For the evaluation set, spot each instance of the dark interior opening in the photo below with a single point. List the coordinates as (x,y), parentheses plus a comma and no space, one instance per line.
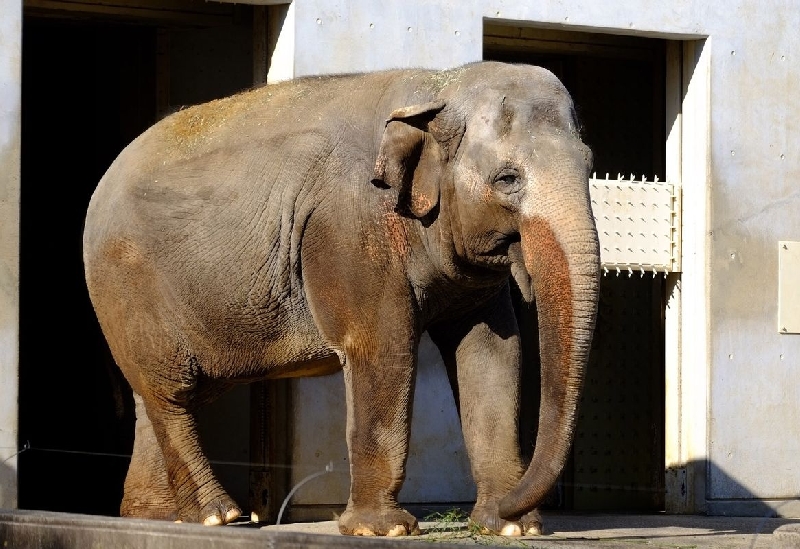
(87,91)
(618,85)
(89,87)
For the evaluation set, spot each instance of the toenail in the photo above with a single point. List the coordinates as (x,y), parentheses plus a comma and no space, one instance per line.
(213,520)
(398,530)
(511,530)
(535,530)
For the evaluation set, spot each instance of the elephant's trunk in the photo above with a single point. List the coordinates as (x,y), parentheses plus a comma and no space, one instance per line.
(560,252)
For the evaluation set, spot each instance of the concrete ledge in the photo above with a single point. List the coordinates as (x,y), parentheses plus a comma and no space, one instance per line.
(787,536)
(565,530)
(40,529)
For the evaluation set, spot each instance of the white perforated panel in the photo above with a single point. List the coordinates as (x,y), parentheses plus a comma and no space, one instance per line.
(638,224)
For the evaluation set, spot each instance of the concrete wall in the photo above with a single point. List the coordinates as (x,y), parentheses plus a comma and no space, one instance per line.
(739,382)
(10,82)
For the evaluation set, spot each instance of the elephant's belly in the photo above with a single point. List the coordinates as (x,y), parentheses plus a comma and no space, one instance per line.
(312,368)
(286,347)
(276,366)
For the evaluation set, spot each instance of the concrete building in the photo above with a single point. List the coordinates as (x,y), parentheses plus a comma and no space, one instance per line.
(693,392)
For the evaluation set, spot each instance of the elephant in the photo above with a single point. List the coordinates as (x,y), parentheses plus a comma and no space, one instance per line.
(324,224)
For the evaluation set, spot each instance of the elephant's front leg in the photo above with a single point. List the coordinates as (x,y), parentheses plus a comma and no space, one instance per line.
(482,354)
(378,380)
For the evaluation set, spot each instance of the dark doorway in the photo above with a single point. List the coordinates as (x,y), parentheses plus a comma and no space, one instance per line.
(87,91)
(90,85)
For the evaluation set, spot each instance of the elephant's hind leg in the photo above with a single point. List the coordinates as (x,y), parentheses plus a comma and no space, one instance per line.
(147,491)
(198,494)
(146,334)
(167,451)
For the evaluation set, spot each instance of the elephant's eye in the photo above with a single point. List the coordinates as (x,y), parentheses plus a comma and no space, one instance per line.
(507,180)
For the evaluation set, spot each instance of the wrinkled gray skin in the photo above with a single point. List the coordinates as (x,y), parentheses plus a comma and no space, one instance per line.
(324,224)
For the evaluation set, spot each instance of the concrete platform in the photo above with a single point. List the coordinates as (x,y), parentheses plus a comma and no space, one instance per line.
(38,529)
(612,531)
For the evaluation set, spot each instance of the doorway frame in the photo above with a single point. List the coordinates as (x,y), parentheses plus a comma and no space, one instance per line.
(687,346)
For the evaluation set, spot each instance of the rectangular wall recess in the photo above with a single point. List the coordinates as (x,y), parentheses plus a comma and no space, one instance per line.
(789,287)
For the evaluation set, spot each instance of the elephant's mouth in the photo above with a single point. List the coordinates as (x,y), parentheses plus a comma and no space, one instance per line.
(499,251)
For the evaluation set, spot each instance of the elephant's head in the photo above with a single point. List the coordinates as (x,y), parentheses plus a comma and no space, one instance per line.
(496,162)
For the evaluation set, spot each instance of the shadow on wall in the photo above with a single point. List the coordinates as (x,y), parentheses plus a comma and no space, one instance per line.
(741,500)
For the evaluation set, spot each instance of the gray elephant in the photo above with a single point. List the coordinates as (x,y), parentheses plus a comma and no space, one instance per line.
(325,223)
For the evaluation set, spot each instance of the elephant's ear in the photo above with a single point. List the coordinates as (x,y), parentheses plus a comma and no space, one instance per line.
(412,155)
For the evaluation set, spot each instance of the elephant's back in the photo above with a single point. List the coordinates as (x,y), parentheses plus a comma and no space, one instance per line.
(206,210)
(271,114)
(197,161)
(217,195)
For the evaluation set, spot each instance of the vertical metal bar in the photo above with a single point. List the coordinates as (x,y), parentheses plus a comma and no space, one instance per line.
(675,476)
(659,102)
(162,72)
(260,45)
(675,485)
(657,380)
(270,447)
(259,453)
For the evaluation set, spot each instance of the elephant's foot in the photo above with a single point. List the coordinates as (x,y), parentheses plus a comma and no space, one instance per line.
(487,518)
(147,502)
(220,510)
(380,522)
(532,523)
(133,509)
